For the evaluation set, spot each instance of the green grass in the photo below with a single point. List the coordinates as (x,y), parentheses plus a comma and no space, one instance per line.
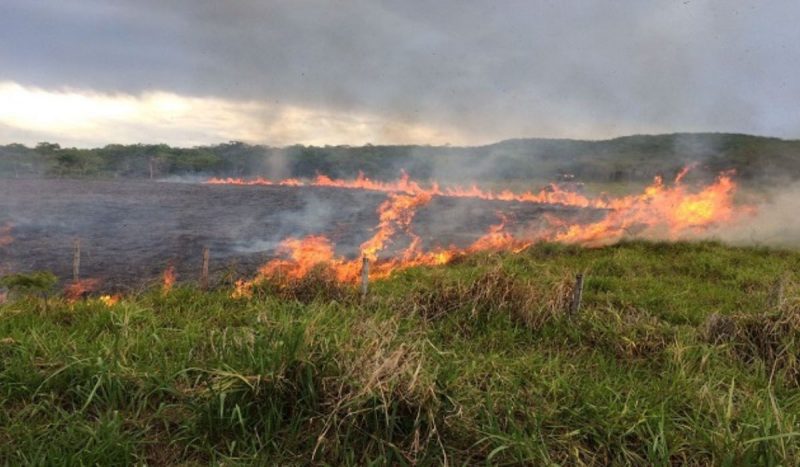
(473,363)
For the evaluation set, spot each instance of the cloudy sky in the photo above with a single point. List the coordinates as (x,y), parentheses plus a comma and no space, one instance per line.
(187,72)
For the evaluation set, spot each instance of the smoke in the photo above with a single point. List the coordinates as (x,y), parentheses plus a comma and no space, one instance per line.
(277,164)
(773,223)
(333,213)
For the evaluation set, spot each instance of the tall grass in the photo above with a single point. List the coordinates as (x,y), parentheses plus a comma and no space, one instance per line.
(679,355)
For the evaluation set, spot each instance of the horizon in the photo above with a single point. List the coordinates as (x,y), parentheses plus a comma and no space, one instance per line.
(283,73)
(444,146)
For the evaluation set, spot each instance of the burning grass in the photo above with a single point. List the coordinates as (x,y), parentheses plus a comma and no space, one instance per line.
(318,283)
(471,363)
(661,211)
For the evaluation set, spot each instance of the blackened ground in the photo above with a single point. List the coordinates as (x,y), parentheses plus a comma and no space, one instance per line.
(130,231)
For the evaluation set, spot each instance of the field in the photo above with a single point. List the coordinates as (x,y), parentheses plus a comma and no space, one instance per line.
(130,231)
(682,353)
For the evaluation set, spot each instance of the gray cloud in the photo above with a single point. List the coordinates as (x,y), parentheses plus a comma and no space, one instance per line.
(492,69)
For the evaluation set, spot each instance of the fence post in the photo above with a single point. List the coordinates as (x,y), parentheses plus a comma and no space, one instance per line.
(577,295)
(76,260)
(204,273)
(364,276)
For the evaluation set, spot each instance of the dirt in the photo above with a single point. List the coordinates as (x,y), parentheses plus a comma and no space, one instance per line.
(130,231)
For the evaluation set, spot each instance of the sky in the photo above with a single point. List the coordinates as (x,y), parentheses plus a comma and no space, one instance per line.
(191,72)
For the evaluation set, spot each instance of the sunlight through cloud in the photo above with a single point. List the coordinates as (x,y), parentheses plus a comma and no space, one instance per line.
(85,118)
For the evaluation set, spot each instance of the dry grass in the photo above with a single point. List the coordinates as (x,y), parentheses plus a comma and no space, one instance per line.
(629,333)
(530,302)
(771,337)
(384,390)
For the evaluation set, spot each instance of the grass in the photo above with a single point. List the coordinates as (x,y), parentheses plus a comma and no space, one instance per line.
(680,354)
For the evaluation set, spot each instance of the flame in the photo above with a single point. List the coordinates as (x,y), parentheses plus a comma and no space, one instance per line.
(659,212)
(242,289)
(78,289)
(168,279)
(395,213)
(552,194)
(684,172)
(498,239)
(109,300)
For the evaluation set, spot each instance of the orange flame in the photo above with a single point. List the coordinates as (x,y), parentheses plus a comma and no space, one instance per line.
(76,290)
(669,212)
(498,239)
(395,213)
(552,194)
(168,279)
(659,213)
(109,300)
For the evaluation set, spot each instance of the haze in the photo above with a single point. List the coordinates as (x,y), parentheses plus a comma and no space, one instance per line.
(92,72)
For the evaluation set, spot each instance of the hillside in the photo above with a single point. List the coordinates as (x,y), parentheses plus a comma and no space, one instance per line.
(681,354)
(625,159)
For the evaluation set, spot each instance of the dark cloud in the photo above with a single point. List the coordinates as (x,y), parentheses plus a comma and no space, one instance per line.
(495,69)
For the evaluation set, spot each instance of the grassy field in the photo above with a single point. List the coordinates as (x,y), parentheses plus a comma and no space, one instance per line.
(681,353)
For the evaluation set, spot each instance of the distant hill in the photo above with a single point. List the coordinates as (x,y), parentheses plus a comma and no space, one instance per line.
(624,159)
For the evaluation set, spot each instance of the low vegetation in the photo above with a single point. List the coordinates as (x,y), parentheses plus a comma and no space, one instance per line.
(682,353)
(521,163)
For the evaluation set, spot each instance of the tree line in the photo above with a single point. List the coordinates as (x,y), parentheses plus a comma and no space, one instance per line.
(625,159)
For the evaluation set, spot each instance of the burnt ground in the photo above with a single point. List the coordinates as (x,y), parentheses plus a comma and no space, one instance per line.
(131,230)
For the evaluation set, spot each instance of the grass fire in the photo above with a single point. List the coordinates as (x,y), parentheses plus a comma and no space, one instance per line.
(389,317)
(660,212)
(399,234)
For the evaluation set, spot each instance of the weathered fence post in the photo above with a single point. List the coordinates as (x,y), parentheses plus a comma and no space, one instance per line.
(364,276)
(204,273)
(76,260)
(577,295)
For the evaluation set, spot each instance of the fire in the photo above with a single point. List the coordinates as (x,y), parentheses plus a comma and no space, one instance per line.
(109,300)
(660,211)
(395,213)
(78,289)
(552,194)
(168,279)
(684,172)
(303,255)
(242,289)
(498,239)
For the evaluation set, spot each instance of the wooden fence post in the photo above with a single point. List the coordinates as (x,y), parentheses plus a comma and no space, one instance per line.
(76,260)
(577,295)
(364,276)
(204,273)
